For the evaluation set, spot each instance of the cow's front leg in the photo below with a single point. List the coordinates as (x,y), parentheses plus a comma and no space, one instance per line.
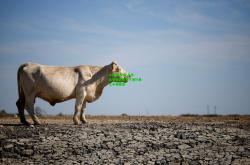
(80,95)
(82,116)
(75,118)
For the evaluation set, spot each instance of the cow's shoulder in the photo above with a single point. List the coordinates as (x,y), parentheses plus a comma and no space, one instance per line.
(95,69)
(84,72)
(88,69)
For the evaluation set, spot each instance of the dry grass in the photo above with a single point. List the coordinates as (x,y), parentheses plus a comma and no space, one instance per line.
(115,119)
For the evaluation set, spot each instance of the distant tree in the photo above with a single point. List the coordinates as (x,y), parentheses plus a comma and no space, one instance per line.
(190,115)
(124,114)
(4,113)
(39,111)
(60,114)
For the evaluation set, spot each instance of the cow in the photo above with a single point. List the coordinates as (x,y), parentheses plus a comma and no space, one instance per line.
(56,84)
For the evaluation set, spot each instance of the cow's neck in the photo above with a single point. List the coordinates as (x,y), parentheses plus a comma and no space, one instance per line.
(101,79)
(102,82)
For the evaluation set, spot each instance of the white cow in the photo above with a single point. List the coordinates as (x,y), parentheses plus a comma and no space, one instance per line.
(56,84)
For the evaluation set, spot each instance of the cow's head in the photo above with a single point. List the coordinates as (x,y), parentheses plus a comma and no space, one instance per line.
(118,72)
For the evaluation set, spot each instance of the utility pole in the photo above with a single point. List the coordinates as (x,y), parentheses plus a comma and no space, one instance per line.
(215,109)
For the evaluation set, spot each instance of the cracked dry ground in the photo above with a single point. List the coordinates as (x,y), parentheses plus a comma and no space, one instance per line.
(126,143)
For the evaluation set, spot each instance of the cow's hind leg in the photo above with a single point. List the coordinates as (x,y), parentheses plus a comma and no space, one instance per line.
(82,116)
(29,106)
(20,106)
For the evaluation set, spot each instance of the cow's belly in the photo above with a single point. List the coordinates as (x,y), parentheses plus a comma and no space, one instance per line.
(56,90)
(56,94)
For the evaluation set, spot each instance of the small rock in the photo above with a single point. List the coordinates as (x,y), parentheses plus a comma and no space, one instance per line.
(27,152)
(241,149)
(109,145)
(8,146)
(183,146)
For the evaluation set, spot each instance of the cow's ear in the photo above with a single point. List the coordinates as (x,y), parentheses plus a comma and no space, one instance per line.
(114,62)
(114,66)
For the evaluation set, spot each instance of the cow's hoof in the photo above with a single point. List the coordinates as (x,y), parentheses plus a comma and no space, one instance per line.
(37,123)
(26,123)
(76,123)
(84,122)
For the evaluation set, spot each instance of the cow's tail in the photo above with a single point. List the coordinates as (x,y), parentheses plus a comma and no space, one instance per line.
(20,90)
(21,100)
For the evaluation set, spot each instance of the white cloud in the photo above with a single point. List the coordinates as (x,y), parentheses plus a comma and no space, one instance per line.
(141,48)
(173,45)
(194,15)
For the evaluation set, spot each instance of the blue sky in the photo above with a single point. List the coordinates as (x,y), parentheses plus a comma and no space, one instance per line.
(190,54)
